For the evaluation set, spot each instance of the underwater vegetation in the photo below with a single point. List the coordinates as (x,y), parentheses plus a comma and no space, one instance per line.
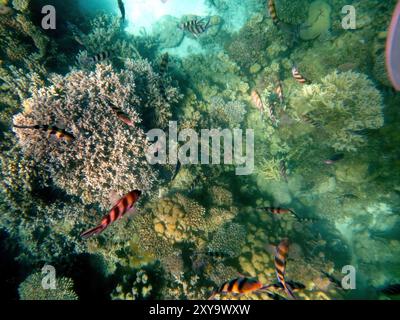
(75,107)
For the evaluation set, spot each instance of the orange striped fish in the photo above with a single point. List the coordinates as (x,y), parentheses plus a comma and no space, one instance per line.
(281,253)
(242,285)
(120,114)
(272,12)
(257,102)
(298,77)
(52,130)
(118,211)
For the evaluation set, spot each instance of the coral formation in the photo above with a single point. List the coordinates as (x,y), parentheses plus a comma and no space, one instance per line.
(318,21)
(31,289)
(90,165)
(343,104)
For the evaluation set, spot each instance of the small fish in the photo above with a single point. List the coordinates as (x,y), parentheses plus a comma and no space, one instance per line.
(272,12)
(177,168)
(332,279)
(335,158)
(242,285)
(279,92)
(281,254)
(164,63)
(121,115)
(295,286)
(298,77)
(122,9)
(391,290)
(311,121)
(124,205)
(277,210)
(195,27)
(283,170)
(96,58)
(271,113)
(257,102)
(52,130)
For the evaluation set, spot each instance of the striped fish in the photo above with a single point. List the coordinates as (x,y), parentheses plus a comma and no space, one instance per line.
(104,55)
(272,12)
(121,115)
(391,290)
(271,113)
(281,253)
(240,285)
(278,210)
(298,77)
(52,131)
(295,286)
(195,27)
(257,102)
(164,63)
(122,9)
(124,205)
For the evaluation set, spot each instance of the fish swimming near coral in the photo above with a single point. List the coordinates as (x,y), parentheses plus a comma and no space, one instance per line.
(278,210)
(239,286)
(279,92)
(335,158)
(76,33)
(164,63)
(121,115)
(332,279)
(177,169)
(122,9)
(195,26)
(272,12)
(281,253)
(52,131)
(257,102)
(294,285)
(298,76)
(104,55)
(391,290)
(124,205)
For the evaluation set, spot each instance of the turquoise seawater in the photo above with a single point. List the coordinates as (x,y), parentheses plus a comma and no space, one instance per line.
(168,149)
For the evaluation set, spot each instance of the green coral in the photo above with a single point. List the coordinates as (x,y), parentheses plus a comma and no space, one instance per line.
(293,12)
(343,104)
(32,289)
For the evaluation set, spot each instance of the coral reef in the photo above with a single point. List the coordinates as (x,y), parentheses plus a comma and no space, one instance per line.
(90,166)
(318,21)
(31,289)
(344,104)
(230,114)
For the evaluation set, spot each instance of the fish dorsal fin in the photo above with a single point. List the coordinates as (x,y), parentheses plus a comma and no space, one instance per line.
(114,197)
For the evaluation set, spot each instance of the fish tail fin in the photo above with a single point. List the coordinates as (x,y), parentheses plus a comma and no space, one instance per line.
(212,296)
(93,231)
(289,291)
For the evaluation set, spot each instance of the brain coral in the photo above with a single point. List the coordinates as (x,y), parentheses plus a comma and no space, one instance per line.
(106,154)
(343,104)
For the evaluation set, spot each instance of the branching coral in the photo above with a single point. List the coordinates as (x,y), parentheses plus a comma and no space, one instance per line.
(32,289)
(231,113)
(344,104)
(91,166)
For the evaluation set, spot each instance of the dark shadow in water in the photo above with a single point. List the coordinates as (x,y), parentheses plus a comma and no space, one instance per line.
(9,270)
